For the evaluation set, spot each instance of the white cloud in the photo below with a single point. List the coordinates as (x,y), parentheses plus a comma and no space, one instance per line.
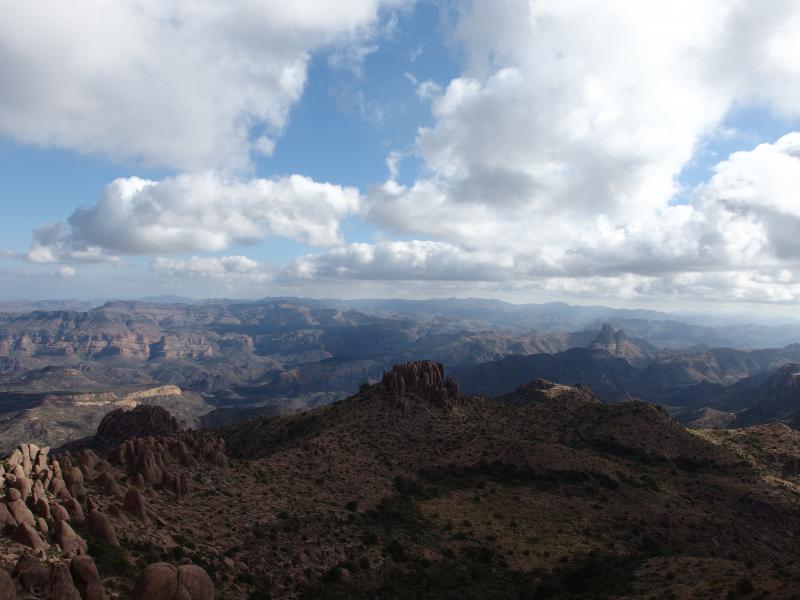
(568,111)
(191,213)
(428,89)
(735,240)
(413,260)
(560,145)
(179,83)
(65,272)
(229,270)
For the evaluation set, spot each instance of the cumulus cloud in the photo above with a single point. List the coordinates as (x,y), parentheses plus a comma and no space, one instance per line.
(561,143)
(191,213)
(573,110)
(181,83)
(65,272)
(411,260)
(229,270)
(735,239)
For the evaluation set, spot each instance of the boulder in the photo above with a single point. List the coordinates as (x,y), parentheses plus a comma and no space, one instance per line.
(71,543)
(8,591)
(20,512)
(101,528)
(194,584)
(108,485)
(15,458)
(28,536)
(134,503)
(5,517)
(58,512)
(32,574)
(158,581)
(86,578)
(38,491)
(42,508)
(42,526)
(61,584)
(73,477)
(57,485)
(75,510)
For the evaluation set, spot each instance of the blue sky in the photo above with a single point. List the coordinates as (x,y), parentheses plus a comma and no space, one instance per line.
(537,157)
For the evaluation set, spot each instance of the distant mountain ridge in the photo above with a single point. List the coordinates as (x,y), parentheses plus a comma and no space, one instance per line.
(669,377)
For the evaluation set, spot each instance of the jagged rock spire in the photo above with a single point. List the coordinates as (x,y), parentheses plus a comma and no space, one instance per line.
(424,379)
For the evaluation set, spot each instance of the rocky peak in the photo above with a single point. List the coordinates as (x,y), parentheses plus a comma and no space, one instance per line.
(424,379)
(607,336)
(540,390)
(143,421)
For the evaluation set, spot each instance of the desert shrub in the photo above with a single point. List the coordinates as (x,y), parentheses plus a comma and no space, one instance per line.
(111,561)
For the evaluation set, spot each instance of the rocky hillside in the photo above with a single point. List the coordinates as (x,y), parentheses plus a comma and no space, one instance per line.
(547,492)
(764,398)
(55,418)
(408,489)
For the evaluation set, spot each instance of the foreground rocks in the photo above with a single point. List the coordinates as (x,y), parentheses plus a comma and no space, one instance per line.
(51,501)
(163,581)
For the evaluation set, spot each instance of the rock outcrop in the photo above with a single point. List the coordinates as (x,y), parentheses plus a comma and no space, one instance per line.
(143,421)
(162,581)
(8,591)
(424,379)
(86,578)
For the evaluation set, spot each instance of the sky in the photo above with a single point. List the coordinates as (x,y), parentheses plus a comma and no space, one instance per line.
(628,153)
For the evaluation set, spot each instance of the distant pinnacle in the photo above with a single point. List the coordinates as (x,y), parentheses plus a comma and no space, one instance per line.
(424,379)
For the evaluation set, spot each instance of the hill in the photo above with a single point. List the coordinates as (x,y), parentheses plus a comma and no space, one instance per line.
(409,489)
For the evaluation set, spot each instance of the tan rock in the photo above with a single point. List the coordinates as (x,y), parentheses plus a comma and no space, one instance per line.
(15,458)
(108,485)
(33,575)
(20,512)
(42,526)
(58,512)
(74,479)
(28,536)
(86,578)
(61,584)
(57,484)
(101,528)
(42,508)
(25,487)
(8,591)
(75,510)
(71,543)
(134,503)
(194,584)
(37,491)
(5,517)
(158,581)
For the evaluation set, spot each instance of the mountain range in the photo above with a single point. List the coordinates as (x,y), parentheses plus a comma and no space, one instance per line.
(234,360)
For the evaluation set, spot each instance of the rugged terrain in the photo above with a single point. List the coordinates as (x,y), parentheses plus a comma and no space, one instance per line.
(410,489)
(53,406)
(221,362)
